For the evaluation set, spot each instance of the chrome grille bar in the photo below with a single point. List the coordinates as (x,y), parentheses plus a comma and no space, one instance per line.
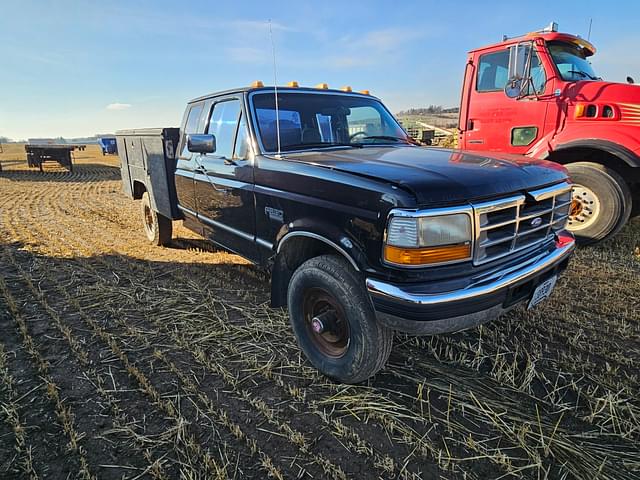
(509,225)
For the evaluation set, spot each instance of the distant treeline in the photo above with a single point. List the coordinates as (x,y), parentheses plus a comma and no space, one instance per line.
(58,140)
(430,110)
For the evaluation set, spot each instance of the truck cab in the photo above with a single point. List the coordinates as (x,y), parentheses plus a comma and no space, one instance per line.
(538,95)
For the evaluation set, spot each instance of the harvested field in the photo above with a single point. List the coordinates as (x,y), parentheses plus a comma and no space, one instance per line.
(118,360)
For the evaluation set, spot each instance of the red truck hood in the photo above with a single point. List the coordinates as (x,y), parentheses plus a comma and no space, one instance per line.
(603,92)
(436,175)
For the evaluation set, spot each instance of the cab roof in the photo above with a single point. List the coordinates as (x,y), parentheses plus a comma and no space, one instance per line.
(547,36)
(282,89)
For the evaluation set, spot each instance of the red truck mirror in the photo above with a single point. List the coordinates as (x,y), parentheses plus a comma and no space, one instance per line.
(519,69)
(201,143)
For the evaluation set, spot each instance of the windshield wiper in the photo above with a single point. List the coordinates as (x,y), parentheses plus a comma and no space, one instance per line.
(321,144)
(584,74)
(385,137)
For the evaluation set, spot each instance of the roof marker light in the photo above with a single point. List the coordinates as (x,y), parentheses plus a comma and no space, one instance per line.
(322,86)
(346,88)
(365,92)
(293,84)
(257,84)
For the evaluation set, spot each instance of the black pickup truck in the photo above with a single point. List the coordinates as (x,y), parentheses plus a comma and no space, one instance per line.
(363,231)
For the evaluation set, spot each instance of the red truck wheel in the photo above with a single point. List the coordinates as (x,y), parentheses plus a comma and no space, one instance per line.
(158,228)
(601,203)
(334,321)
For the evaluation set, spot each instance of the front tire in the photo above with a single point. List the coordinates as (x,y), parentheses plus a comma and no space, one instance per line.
(601,203)
(157,227)
(334,321)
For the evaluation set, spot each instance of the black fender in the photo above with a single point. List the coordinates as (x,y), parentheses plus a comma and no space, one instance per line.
(324,238)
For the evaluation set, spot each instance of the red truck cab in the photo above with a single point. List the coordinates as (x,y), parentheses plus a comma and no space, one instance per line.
(538,95)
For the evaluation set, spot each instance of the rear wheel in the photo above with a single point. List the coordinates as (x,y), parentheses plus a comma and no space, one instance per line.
(157,227)
(601,202)
(334,321)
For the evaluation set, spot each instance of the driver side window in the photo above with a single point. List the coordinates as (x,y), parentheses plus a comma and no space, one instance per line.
(493,71)
(222,124)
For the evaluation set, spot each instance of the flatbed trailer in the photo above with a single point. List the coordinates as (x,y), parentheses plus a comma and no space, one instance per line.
(63,154)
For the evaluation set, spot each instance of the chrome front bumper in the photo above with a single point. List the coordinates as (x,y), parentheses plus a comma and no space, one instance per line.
(400,306)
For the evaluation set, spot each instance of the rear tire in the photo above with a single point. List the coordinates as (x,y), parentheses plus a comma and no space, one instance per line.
(349,344)
(157,227)
(601,205)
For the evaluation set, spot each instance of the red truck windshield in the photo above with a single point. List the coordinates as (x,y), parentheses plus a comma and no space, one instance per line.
(311,120)
(571,61)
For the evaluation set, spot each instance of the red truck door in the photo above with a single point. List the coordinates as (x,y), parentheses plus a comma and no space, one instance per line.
(495,122)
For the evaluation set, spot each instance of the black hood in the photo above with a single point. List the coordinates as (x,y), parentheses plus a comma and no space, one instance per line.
(436,175)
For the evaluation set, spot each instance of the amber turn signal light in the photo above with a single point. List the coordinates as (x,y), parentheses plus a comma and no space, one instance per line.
(427,255)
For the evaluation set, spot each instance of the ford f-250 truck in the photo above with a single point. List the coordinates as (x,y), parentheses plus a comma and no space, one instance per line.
(363,232)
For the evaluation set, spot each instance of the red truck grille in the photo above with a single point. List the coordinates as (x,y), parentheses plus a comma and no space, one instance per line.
(516,223)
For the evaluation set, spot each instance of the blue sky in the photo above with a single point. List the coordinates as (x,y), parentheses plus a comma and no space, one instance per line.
(74,68)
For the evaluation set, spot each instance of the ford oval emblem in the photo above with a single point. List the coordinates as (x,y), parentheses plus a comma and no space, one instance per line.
(536,222)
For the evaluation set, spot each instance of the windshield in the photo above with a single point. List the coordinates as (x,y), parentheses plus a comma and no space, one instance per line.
(311,120)
(571,62)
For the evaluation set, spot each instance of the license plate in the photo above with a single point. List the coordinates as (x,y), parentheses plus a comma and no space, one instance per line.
(542,291)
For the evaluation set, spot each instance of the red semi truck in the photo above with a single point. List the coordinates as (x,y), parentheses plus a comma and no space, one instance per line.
(538,95)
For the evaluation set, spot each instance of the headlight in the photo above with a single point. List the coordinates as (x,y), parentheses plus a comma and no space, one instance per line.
(426,240)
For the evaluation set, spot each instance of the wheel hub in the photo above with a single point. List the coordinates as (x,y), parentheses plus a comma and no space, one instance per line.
(326,322)
(585,208)
(148,218)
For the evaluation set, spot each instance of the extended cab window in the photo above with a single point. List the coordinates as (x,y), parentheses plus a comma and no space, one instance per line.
(191,126)
(222,124)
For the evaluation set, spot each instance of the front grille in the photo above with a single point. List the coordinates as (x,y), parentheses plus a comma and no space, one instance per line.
(516,223)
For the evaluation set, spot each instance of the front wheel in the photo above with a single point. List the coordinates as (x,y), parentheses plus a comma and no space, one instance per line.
(334,322)
(601,202)
(157,227)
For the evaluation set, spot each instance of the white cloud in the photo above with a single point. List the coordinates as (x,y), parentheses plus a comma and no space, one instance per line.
(247,55)
(118,106)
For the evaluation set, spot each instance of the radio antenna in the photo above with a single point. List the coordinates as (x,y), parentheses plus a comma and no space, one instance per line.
(589,34)
(275,88)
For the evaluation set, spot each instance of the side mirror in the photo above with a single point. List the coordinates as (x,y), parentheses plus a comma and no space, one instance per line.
(201,143)
(630,80)
(519,69)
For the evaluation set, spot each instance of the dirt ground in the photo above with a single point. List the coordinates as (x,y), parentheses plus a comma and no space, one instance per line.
(119,360)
